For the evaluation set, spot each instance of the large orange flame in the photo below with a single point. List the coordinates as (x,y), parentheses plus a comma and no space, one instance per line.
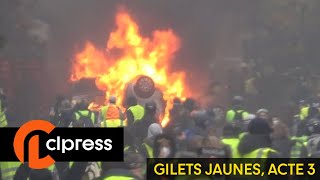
(138,56)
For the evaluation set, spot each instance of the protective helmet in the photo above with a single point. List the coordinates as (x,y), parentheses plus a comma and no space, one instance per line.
(313,126)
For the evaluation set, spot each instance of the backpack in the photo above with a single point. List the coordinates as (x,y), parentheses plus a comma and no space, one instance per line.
(239,121)
(238,115)
(84,120)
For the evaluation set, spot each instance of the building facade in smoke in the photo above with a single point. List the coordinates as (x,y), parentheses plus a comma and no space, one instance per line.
(24,57)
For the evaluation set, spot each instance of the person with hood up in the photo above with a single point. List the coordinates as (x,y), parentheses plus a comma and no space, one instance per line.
(257,142)
(147,146)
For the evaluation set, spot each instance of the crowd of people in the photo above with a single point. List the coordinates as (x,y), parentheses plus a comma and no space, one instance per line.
(192,132)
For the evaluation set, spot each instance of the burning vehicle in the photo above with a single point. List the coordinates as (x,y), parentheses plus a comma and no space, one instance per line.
(145,90)
(132,65)
(142,87)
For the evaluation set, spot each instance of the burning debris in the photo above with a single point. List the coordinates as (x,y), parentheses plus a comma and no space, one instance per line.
(139,55)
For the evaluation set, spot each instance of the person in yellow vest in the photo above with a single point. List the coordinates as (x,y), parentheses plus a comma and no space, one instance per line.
(147,145)
(8,170)
(3,117)
(231,138)
(236,115)
(307,113)
(304,110)
(83,117)
(135,112)
(257,142)
(111,115)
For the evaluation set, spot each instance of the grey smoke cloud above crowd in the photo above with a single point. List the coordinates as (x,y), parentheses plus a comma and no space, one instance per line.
(206,29)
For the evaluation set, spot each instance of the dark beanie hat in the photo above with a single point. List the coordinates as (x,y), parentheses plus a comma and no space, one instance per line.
(259,126)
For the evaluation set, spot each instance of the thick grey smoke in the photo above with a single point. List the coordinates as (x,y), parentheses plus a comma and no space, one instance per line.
(209,31)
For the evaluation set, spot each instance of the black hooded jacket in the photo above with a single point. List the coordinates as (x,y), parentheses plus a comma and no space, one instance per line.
(251,142)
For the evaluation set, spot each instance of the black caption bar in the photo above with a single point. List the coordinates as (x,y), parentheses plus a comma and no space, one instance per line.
(212,168)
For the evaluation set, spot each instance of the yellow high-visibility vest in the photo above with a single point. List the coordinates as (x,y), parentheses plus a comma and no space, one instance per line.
(259,153)
(137,112)
(304,113)
(149,150)
(3,117)
(233,143)
(231,114)
(119,178)
(8,169)
(112,123)
(85,113)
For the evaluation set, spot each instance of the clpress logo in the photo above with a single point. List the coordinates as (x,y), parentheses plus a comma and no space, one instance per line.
(41,144)
(34,161)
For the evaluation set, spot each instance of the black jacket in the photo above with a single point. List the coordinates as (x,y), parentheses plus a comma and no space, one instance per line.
(251,142)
